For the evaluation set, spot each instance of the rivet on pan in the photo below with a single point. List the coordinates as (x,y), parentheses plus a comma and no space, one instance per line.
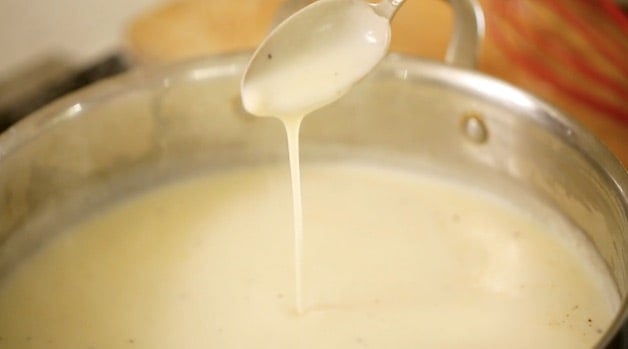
(474,128)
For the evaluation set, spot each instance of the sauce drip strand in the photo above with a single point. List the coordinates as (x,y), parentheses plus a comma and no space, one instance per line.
(307,62)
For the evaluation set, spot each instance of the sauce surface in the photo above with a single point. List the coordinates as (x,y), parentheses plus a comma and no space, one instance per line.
(392,259)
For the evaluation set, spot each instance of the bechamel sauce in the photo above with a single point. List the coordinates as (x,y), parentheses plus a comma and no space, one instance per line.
(393,259)
(292,126)
(306,64)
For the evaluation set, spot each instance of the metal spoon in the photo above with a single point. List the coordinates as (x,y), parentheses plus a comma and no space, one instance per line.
(316,55)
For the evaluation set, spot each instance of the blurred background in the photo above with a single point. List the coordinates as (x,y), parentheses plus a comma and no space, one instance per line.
(572,53)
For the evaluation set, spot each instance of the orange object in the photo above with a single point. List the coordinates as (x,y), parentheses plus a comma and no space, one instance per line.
(570,52)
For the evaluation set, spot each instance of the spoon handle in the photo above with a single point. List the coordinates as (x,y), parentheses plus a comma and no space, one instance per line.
(387,8)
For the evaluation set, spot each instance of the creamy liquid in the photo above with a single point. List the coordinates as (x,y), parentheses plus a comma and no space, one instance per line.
(393,259)
(313,58)
(292,126)
(339,42)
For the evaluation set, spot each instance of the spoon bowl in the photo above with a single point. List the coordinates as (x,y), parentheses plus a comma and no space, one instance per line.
(316,55)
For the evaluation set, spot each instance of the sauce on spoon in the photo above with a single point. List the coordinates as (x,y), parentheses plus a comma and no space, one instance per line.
(310,60)
(314,57)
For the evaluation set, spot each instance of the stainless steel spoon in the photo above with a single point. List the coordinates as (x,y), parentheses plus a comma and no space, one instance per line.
(316,55)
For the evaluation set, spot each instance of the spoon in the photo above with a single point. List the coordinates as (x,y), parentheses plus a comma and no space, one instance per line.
(315,56)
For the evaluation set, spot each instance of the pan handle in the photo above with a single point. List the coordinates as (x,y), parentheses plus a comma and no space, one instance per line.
(468,33)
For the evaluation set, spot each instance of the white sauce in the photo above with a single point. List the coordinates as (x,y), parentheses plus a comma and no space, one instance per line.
(307,62)
(393,259)
(296,73)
